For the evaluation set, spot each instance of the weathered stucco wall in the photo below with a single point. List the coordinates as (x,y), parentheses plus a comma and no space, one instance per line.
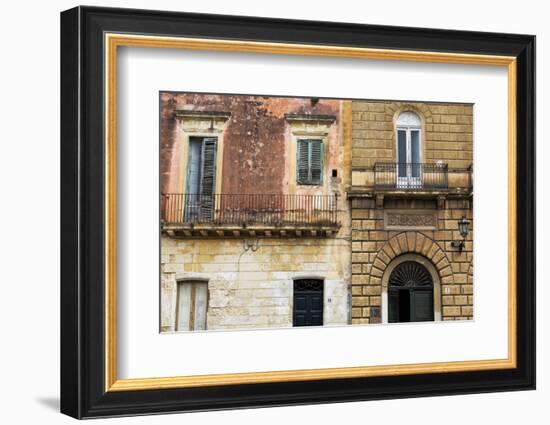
(256,139)
(258,156)
(254,289)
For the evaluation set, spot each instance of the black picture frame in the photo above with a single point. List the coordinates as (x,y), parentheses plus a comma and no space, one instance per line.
(83,392)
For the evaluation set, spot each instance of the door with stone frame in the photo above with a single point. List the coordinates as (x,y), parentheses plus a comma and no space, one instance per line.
(192,306)
(308,302)
(410,294)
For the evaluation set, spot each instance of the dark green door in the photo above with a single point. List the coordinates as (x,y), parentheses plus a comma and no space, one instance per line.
(410,294)
(308,302)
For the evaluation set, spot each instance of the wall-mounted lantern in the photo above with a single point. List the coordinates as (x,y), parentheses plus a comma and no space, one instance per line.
(463,225)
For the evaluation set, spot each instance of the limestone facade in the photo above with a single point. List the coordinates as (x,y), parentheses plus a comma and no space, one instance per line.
(418,221)
(255,289)
(374,247)
(401,177)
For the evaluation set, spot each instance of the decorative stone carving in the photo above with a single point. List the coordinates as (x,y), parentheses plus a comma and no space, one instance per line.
(310,125)
(410,219)
(202,121)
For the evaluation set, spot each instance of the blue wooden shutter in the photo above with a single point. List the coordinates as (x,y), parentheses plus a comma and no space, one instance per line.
(208,166)
(208,178)
(193,190)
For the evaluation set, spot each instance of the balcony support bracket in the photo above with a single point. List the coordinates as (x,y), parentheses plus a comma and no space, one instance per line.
(380,200)
(441,201)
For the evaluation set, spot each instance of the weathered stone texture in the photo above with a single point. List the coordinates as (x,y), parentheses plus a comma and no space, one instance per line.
(370,258)
(255,289)
(256,138)
(447,132)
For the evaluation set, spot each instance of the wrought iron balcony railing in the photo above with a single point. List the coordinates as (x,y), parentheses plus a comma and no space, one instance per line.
(245,210)
(410,176)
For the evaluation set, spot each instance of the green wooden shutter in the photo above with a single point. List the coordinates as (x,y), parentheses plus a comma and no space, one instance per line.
(422,305)
(393,305)
(316,161)
(310,162)
(208,178)
(303,161)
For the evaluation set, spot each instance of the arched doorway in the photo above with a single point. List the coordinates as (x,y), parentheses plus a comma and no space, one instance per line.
(410,293)
(411,290)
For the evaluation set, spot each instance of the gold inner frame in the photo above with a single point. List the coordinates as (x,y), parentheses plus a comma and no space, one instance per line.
(113,41)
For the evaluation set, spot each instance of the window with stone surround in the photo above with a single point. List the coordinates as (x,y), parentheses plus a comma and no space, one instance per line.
(310,141)
(309,163)
(409,141)
(192,306)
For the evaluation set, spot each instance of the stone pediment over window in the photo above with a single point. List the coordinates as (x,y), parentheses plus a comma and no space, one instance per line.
(310,124)
(202,121)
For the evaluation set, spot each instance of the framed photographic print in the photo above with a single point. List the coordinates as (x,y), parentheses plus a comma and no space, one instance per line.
(261,212)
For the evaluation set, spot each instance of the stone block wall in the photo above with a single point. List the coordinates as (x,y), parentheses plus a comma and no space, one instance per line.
(255,289)
(447,131)
(374,246)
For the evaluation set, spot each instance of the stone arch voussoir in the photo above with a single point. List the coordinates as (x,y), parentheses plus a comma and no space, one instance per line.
(416,243)
(422,110)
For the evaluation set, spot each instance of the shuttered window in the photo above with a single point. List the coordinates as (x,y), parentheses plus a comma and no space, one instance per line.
(310,161)
(201,179)
(208,166)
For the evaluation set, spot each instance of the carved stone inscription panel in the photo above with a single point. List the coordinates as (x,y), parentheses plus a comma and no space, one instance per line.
(410,219)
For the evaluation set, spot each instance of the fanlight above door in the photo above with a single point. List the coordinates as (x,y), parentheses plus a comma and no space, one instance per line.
(410,273)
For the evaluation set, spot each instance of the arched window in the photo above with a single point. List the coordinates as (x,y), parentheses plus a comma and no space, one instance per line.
(409,156)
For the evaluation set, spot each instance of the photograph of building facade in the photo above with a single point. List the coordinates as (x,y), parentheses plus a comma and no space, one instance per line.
(280,212)
(411,206)
(255,222)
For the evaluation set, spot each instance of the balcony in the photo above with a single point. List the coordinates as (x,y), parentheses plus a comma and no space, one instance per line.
(411,179)
(410,176)
(249,215)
